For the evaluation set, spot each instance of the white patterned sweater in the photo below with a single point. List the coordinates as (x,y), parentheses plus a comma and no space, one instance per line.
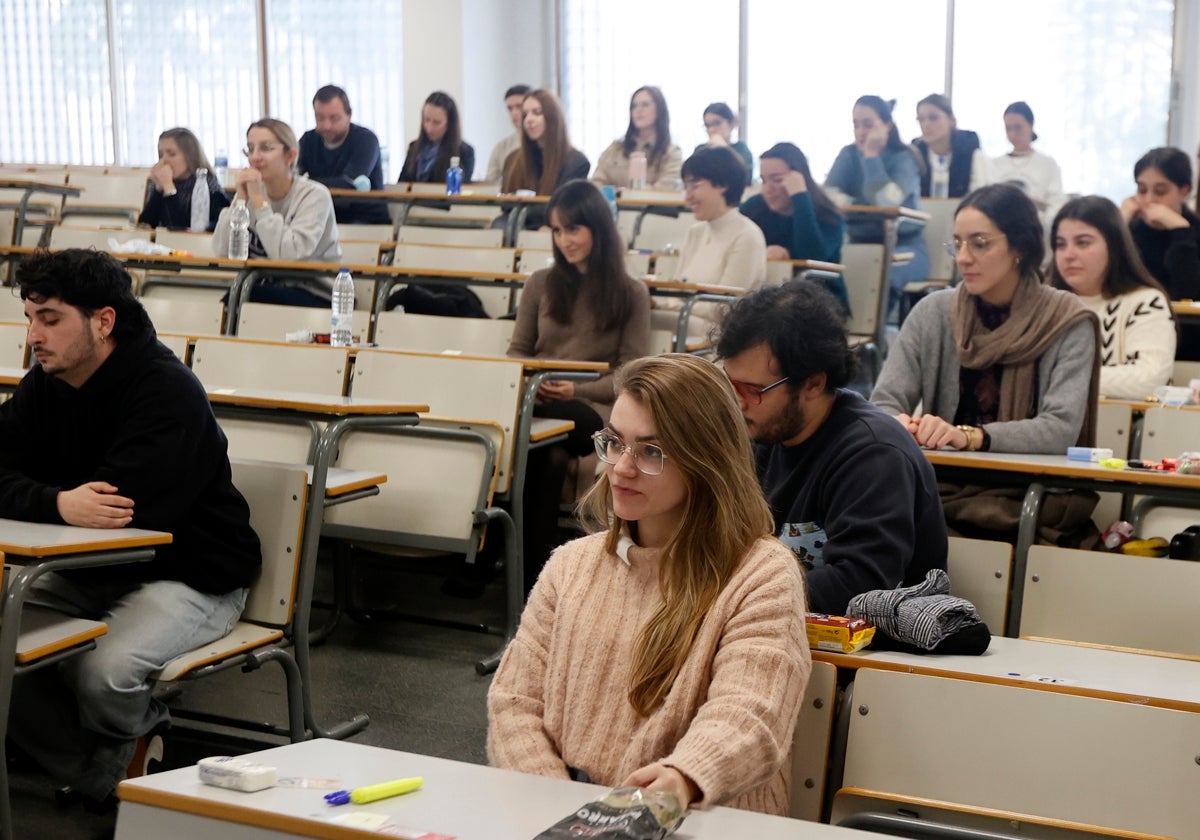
(1137,342)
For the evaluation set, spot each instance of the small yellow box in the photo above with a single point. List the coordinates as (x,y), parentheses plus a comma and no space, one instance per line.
(838,633)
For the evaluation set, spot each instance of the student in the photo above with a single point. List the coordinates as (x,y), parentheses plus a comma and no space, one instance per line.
(1002,363)
(429,155)
(1038,175)
(1095,258)
(667,651)
(1166,231)
(724,247)
(649,133)
(343,155)
(954,163)
(513,97)
(110,430)
(546,158)
(719,123)
(169,199)
(850,491)
(878,169)
(585,307)
(291,218)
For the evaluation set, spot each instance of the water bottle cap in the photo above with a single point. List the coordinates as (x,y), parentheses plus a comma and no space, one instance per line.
(454,161)
(201,172)
(343,268)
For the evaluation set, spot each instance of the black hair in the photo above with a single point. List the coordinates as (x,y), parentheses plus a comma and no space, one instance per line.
(517,90)
(662,125)
(1017,218)
(883,110)
(328,93)
(722,168)
(939,101)
(803,326)
(607,283)
(1021,108)
(1173,163)
(1125,272)
(721,110)
(88,280)
(795,159)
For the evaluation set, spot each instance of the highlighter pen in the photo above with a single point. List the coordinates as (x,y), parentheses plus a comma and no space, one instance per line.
(371,793)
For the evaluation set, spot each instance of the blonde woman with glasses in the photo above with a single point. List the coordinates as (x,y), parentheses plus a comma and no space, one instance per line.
(668,650)
(291,217)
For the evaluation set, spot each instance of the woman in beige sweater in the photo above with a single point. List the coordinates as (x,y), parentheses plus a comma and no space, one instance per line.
(667,651)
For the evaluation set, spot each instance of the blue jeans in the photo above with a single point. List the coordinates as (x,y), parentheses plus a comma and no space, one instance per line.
(81,719)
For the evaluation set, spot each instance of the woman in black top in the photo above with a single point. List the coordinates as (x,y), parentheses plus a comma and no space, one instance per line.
(169,192)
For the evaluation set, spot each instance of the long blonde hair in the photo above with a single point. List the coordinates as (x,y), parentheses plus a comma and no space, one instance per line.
(702,431)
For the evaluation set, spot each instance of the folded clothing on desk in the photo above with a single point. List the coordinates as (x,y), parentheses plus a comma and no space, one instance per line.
(924,618)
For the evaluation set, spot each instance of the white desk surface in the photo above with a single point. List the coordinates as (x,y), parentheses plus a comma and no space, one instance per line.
(465,801)
(338,481)
(1051,666)
(316,403)
(1035,466)
(41,539)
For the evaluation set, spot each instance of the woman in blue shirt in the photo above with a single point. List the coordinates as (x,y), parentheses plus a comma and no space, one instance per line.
(879,169)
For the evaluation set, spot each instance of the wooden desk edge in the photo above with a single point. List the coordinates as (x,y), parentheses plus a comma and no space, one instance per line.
(84,547)
(854,662)
(564,426)
(315,406)
(354,486)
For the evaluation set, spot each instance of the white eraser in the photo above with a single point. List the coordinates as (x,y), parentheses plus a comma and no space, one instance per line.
(236,773)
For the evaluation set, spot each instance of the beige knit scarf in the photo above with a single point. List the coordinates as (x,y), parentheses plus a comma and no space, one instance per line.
(1038,316)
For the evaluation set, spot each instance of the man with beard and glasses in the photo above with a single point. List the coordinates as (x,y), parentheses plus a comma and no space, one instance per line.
(851,493)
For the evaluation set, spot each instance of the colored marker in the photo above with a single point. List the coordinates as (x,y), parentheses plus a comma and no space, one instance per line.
(372,793)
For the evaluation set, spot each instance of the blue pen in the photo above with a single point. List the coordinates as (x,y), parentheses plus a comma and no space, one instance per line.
(371,793)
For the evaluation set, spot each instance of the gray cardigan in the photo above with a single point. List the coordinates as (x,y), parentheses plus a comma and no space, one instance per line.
(922,368)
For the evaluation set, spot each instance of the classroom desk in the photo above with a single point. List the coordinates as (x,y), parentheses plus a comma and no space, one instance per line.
(341,414)
(31,186)
(692,293)
(463,801)
(1040,472)
(1137,410)
(46,548)
(1085,670)
(1186,310)
(517,205)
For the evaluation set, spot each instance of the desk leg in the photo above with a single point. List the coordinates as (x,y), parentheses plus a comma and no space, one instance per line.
(514,589)
(1026,535)
(19,223)
(239,289)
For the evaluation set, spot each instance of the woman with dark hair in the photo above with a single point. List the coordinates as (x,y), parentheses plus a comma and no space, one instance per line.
(667,650)
(585,307)
(954,163)
(172,179)
(879,169)
(429,155)
(719,123)
(546,158)
(648,134)
(723,248)
(1166,232)
(1002,363)
(1038,175)
(1095,258)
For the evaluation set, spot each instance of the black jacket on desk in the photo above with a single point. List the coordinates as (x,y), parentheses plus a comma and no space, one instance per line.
(141,422)
(858,504)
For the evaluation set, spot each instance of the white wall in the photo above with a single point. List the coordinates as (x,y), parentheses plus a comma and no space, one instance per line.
(1185,105)
(473,50)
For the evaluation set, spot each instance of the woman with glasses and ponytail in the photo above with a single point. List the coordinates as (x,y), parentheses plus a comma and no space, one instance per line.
(667,650)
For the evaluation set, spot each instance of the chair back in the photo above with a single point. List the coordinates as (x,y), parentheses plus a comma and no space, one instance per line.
(865,285)
(460,237)
(438,334)
(981,572)
(187,315)
(62,237)
(276,494)
(938,231)
(13,351)
(810,743)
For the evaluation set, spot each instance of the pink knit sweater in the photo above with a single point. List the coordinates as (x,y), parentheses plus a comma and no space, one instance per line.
(560,697)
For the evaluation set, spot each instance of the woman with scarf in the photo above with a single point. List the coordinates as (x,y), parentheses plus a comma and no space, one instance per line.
(1001,363)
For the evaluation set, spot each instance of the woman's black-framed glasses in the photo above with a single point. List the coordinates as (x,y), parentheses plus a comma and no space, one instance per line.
(647,457)
(753,394)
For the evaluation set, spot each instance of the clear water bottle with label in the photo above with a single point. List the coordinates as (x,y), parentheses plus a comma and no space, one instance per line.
(200,202)
(239,230)
(341,324)
(454,178)
(637,170)
(221,165)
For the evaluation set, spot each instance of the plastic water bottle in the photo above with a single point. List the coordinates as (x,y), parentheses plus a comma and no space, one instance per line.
(341,323)
(200,202)
(637,170)
(454,178)
(239,230)
(221,164)
(385,164)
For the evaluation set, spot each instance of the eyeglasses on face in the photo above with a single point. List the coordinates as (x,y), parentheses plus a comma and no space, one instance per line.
(265,149)
(753,394)
(977,244)
(647,457)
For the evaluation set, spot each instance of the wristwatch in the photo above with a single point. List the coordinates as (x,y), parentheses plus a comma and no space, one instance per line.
(970,431)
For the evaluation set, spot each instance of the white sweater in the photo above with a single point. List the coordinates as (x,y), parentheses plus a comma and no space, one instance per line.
(1038,175)
(728,251)
(1137,342)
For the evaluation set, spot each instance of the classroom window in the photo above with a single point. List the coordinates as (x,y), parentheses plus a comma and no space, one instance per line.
(688,48)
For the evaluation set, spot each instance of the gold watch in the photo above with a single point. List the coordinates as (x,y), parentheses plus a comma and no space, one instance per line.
(969,431)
